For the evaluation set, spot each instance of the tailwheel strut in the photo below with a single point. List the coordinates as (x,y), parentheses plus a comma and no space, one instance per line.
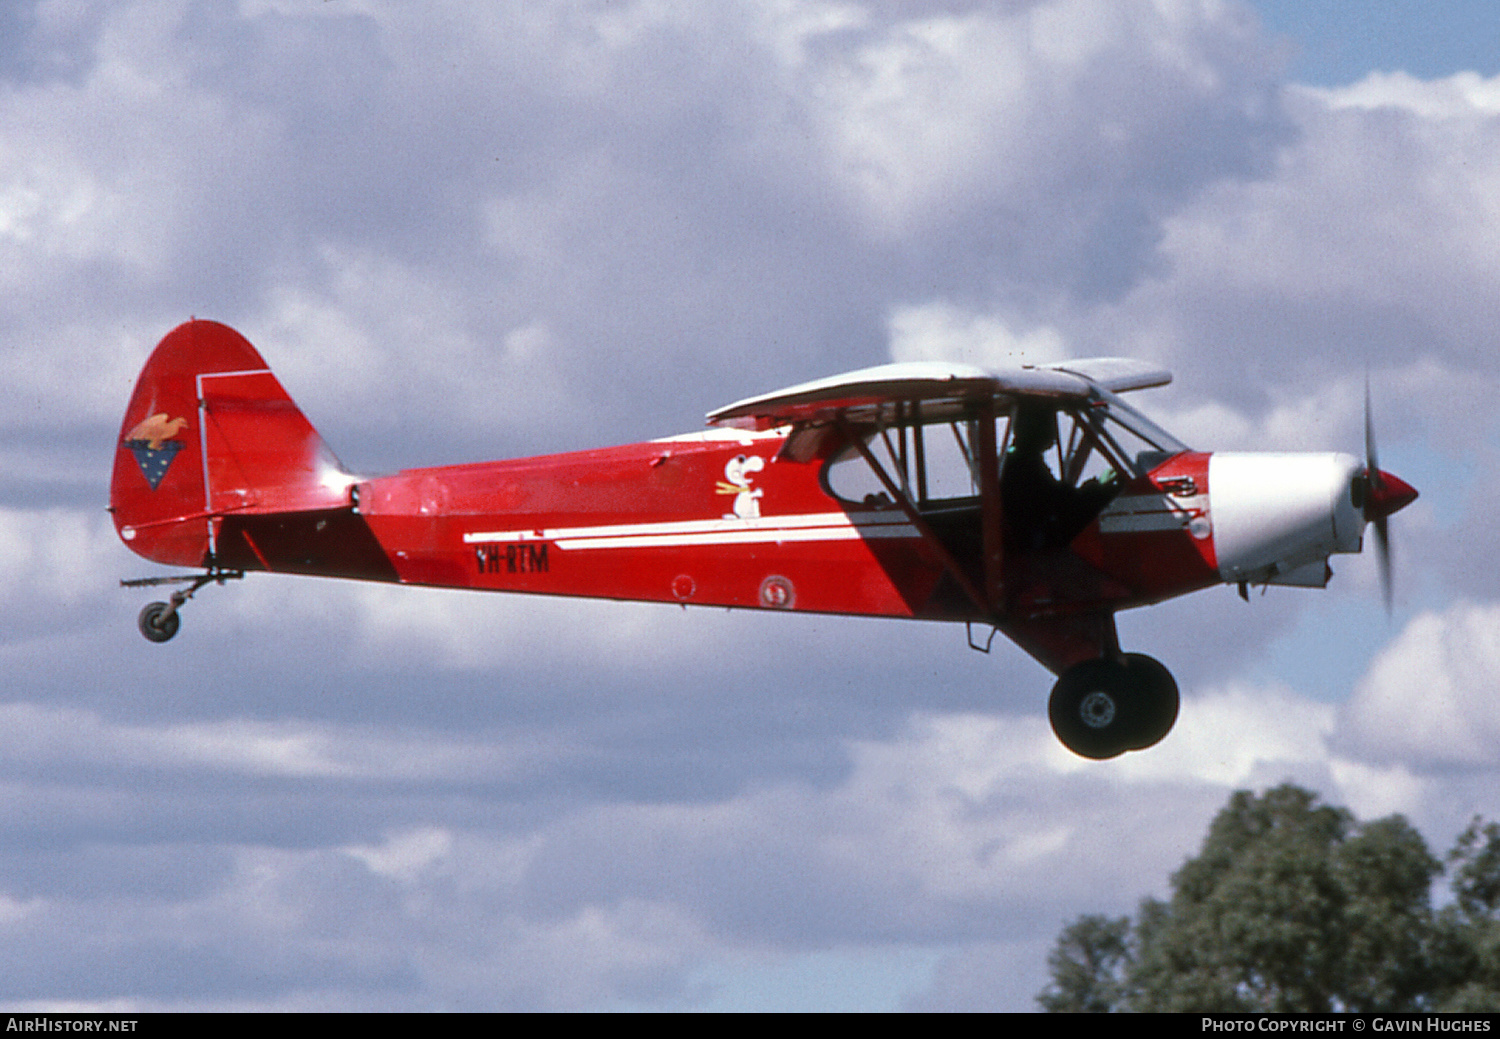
(159,621)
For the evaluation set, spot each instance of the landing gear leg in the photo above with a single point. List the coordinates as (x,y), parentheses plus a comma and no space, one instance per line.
(159,621)
(1102,708)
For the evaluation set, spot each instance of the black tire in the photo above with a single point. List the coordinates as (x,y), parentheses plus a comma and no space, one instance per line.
(1157,698)
(1094,709)
(158,622)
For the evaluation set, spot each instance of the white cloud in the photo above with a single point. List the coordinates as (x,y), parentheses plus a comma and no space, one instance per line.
(1023,105)
(1371,244)
(40,735)
(1429,698)
(49,561)
(405,856)
(944,332)
(1373,791)
(1326,417)
(1457,96)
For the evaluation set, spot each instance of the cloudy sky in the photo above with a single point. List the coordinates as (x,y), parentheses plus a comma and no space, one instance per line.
(463,231)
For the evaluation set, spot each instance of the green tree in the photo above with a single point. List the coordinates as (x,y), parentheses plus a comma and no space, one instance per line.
(1089,966)
(1294,906)
(1468,931)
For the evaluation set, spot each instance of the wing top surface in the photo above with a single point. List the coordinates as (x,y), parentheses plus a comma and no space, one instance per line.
(943,390)
(1116,374)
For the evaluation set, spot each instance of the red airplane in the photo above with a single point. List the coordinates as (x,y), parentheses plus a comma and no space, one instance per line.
(1033,501)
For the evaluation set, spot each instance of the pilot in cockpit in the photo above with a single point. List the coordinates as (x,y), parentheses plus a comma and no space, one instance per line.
(1042,509)
(1032,498)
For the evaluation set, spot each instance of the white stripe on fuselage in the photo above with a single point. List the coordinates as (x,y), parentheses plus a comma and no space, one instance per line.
(821,526)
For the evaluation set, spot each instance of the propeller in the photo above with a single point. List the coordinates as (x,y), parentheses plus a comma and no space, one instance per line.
(1383,494)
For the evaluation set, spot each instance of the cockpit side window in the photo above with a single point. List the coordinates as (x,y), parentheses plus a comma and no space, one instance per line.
(933,464)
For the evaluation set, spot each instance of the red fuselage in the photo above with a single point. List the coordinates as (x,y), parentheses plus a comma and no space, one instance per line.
(720,519)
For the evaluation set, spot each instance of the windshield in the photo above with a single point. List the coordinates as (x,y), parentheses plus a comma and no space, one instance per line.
(1141,444)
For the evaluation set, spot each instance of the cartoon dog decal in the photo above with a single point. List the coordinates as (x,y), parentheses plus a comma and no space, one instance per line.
(746,498)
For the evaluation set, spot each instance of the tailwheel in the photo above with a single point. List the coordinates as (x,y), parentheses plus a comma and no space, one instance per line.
(159,621)
(1101,708)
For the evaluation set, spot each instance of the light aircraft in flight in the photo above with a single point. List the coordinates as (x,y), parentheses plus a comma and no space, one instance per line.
(1035,502)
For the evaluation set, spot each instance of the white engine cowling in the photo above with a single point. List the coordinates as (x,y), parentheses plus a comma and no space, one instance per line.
(1277,517)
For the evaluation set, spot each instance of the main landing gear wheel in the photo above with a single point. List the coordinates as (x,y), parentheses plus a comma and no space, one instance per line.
(1102,708)
(159,621)
(1159,699)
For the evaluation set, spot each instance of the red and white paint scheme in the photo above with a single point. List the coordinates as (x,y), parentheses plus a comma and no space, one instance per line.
(1035,501)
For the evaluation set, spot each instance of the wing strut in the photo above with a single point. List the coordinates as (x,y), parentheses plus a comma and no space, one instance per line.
(900,498)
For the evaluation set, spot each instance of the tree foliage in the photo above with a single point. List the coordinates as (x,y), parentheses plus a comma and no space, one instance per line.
(1295,906)
(1089,966)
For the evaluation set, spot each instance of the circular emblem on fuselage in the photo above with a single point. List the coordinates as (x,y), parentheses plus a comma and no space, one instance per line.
(777,593)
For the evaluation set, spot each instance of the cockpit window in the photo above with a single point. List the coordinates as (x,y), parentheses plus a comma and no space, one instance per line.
(1090,449)
(932,463)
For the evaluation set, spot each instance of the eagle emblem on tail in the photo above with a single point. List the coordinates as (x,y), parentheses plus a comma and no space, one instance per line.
(152,444)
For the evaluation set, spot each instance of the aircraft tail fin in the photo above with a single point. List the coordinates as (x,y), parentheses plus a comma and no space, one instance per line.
(209,436)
